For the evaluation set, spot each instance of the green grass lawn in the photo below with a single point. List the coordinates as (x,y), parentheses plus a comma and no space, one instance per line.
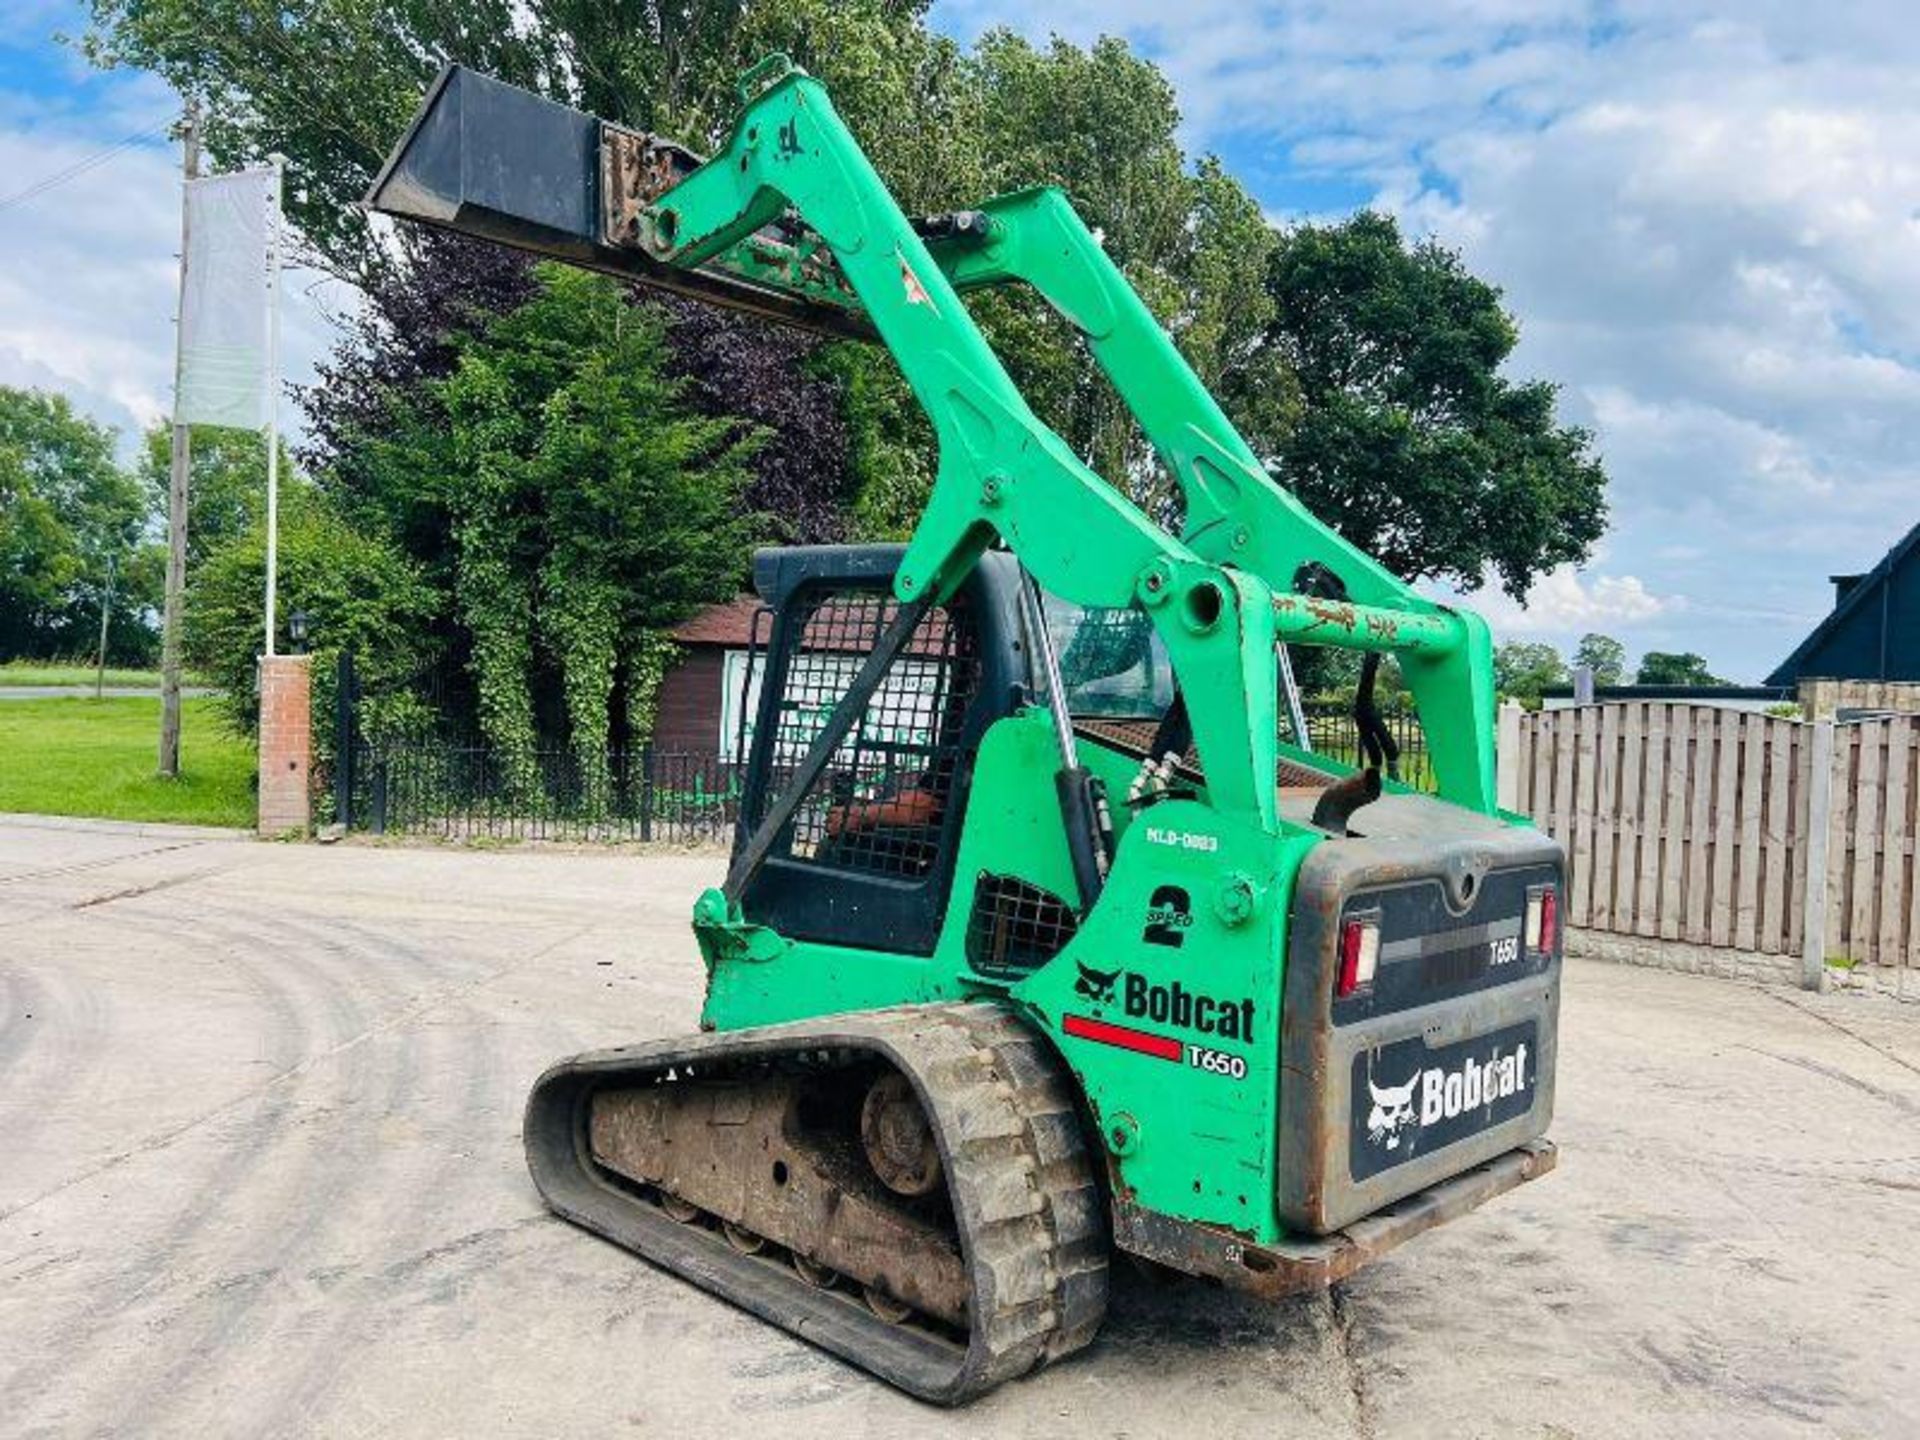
(66,672)
(80,756)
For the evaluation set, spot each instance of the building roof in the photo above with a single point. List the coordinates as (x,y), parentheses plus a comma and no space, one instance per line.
(729,623)
(1864,638)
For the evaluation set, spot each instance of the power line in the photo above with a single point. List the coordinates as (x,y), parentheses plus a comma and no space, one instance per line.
(80,167)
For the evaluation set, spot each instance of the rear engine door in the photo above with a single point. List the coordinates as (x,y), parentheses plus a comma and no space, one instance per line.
(1422,1007)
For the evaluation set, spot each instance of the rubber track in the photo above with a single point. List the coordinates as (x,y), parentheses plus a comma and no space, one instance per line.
(1032,1219)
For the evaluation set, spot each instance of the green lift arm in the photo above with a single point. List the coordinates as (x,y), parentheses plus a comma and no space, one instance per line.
(790,220)
(1220,595)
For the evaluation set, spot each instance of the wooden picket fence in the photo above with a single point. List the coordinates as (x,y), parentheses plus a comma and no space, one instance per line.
(1873,859)
(1699,824)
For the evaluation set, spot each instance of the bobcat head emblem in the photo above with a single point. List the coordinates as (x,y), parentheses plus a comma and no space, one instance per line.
(1096,985)
(1392,1111)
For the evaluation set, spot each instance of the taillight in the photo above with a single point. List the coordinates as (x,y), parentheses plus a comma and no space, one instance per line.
(1543,919)
(1359,954)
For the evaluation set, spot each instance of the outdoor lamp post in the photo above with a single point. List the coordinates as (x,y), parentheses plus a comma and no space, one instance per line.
(297,631)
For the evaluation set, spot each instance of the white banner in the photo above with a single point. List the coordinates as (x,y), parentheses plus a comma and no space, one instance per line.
(224,324)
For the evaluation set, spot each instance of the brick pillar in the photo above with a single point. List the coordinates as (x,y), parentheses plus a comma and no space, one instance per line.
(286,743)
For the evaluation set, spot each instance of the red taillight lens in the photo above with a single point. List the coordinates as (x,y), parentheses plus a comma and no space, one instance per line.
(1549,920)
(1359,955)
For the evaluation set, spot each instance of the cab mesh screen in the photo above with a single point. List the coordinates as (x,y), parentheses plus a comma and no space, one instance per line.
(880,804)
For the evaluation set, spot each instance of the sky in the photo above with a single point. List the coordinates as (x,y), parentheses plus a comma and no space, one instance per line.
(88,268)
(1706,220)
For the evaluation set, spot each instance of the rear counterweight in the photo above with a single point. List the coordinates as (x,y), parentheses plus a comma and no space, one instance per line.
(1443,1057)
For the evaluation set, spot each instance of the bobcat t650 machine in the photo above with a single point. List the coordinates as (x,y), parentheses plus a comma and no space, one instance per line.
(1037,940)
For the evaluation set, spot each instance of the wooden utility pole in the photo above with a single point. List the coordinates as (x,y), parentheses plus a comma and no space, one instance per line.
(106,614)
(177,495)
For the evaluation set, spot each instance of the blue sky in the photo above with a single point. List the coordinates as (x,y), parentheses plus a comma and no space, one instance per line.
(1705,217)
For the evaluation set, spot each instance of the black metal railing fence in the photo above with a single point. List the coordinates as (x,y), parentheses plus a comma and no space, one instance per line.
(1333,732)
(462,792)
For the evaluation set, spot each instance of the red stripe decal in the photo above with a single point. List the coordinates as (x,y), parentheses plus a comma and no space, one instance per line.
(1158,1046)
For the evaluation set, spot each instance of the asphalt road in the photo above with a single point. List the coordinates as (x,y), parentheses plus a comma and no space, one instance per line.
(260,1175)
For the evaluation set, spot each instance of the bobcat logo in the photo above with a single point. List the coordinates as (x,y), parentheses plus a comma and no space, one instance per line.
(1392,1111)
(1096,985)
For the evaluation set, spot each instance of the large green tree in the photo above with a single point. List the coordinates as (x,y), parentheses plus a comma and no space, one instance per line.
(1523,669)
(1408,438)
(1603,655)
(590,508)
(73,528)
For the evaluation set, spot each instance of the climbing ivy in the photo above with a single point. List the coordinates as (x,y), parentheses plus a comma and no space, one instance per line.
(652,656)
(590,508)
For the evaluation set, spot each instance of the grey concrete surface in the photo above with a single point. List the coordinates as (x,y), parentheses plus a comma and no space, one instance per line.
(260,1175)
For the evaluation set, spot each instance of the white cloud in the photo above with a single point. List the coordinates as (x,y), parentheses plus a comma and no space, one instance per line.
(1563,602)
(88,278)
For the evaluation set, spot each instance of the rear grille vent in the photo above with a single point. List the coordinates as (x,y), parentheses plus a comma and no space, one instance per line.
(1015,927)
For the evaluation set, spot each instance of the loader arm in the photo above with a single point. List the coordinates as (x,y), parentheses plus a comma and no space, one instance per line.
(1227,583)
(1002,472)
(791,221)
(1235,514)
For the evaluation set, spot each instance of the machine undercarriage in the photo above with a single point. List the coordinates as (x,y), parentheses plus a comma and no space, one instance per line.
(908,1188)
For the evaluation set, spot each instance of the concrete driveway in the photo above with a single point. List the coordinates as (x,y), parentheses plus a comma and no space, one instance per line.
(260,1175)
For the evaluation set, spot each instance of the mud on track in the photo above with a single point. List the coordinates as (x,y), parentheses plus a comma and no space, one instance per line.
(260,1174)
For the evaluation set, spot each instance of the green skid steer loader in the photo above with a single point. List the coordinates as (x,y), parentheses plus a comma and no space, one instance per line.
(1037,941)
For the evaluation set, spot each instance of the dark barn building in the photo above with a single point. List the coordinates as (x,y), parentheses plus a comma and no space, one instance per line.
(1873,634)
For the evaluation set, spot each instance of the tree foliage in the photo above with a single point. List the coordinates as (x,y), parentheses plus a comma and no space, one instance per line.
(72,529)
(1407,439)
(575,505)
(1605,656)
(360,591)
(226,483)
(1661,667)
(1523,669)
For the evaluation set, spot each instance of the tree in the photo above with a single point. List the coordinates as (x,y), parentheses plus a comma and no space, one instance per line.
(1407,439)
(360,591)
(226,483)
(577,506)
(1603,655)
(72,528)
(1523,669)
(1661,667)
